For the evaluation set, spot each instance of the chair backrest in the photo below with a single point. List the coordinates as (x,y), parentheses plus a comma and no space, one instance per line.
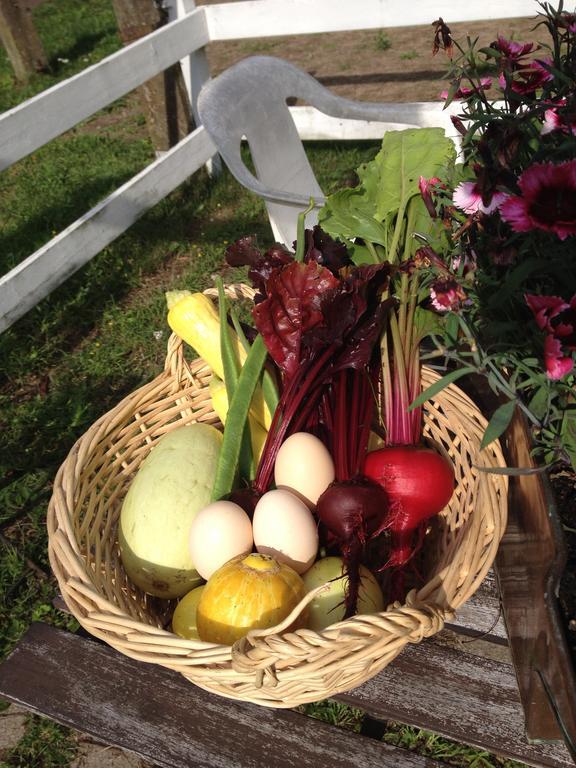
(249,100)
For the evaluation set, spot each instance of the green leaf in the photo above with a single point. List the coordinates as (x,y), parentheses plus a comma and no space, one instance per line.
(387,184)
(539,402)
(516,277)
(427,323)
(347,214)
(500,420)
(452,327)
(568,434)
(392,177)
(439,385)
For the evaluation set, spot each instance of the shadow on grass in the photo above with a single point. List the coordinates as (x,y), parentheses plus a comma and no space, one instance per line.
(83,47)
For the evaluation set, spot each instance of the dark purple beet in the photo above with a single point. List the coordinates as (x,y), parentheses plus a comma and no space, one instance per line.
(354,512)
(247,498)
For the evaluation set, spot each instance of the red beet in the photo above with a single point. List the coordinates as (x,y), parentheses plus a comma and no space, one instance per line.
(419,482)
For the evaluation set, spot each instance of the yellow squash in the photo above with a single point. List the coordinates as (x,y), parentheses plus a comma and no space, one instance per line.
(248,592)
(194,318)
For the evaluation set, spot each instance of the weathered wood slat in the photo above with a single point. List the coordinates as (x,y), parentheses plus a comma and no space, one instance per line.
(468,698)
(481,615)
(228,21)
(35,277)
(57,109)
(530,562)
(157,714)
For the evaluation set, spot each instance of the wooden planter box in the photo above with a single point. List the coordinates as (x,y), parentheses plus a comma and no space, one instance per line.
(529,565)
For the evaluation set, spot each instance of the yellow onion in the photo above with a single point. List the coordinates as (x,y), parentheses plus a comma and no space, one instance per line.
(248,592)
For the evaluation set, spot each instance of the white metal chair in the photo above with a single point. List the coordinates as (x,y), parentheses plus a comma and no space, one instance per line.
(249,100)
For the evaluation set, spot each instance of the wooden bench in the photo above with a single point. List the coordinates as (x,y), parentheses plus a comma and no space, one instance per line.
(454,685)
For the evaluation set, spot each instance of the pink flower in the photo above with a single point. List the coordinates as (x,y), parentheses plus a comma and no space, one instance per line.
(553,121)
(558,319)
(511,50)
(556,363)
(526,80)
(548,200)
(465,264)
(564,325)
(545,308)
(464,92)
(468,197)
(447,295)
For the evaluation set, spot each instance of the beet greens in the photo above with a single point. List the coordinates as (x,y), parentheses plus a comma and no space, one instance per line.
(322,319)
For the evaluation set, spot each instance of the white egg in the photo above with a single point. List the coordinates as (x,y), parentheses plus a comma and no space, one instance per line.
(304,466)
(219,532)
(285,528)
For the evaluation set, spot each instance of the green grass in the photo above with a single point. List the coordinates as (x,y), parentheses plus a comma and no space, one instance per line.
(75,34)
(383,42)
(103,332)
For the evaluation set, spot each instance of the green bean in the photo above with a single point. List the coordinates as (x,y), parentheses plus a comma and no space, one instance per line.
(269,388)
(237,418)
(231,367)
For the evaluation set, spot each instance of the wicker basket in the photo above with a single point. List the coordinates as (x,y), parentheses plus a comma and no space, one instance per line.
(273,667)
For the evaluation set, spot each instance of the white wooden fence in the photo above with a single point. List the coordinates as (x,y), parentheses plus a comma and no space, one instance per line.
(49,114)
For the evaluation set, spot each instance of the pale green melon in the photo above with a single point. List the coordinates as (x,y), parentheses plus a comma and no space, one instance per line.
(173,483)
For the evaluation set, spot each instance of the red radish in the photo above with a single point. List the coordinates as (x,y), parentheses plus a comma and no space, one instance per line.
(354,512)
(419,482)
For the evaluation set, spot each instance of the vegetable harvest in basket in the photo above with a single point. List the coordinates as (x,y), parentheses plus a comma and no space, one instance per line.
(321,467)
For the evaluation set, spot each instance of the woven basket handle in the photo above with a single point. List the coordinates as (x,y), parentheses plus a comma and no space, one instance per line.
(261,651)
(251,655)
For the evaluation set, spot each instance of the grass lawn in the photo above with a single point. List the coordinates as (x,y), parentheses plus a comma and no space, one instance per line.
(103,333)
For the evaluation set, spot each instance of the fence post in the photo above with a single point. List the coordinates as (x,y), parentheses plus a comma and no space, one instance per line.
(164,97)
(20,39)
(195,71)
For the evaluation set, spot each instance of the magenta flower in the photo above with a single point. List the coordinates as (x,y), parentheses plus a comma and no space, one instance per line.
(464,91)
(554,121)
(446,295)
(527,80)
(558,319)
(511,50)
(545,308)
(548,200)
(557,364)
(468,198)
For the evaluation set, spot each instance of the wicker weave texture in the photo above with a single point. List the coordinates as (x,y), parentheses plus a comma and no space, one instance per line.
(272,667)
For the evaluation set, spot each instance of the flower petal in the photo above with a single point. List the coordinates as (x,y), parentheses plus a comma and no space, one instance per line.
(514,210)
(557,366)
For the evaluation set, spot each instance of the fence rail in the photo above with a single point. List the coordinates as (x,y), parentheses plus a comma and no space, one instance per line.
(44,117)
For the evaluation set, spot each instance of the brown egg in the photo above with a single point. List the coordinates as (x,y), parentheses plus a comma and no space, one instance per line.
(304,466)
(285,529)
